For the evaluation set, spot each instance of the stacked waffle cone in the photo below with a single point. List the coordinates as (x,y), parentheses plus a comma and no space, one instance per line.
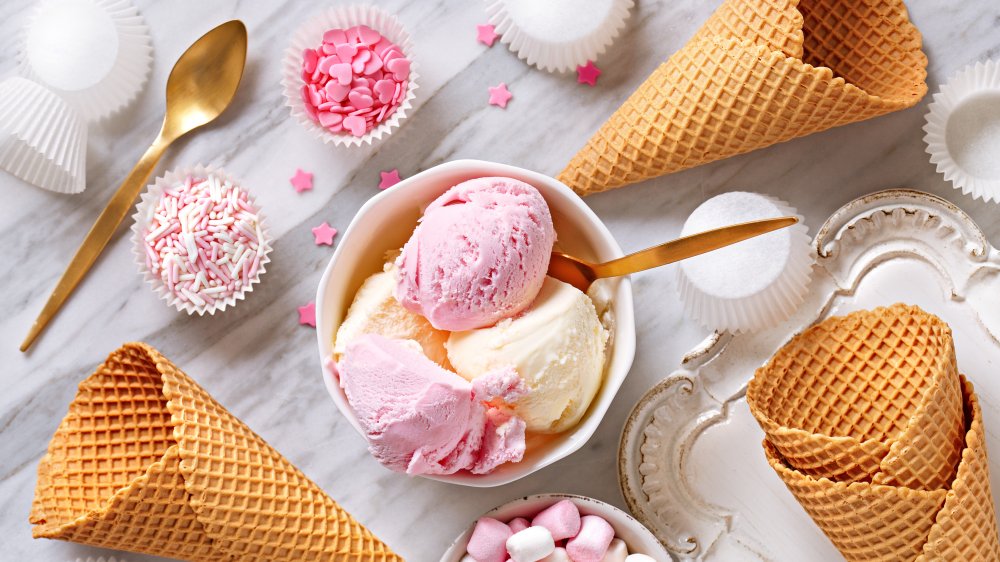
(147,461)
(877,435)
(758,72)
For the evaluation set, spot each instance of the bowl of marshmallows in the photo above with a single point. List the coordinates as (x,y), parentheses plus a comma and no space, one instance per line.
(556,528)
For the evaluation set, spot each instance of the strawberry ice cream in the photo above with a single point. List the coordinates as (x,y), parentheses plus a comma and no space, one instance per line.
(479,254)
(423,419)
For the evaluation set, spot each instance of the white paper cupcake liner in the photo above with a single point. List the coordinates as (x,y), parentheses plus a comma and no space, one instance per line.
(42,139)
(144,211)
(963,130)
(127,69)
(767,307)
(558,35)
(310,34)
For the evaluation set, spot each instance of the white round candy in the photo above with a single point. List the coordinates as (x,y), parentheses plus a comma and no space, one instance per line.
(72,44)
(530,545)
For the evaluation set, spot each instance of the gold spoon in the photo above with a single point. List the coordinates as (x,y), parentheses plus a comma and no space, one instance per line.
(201,85)
(581,274)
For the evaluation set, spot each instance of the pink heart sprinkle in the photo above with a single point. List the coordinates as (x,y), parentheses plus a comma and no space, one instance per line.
(357,66)
(358,82)
(373,65)
(382,46)
(356,125)
(341,72)
(309,60)
(335,36)
(325,63)
(361,101)
(390,54)
(367,35)
(328,119)
(346,51)
(364,55)
(314,97)
(400,68)
(329,49)
(384,90)
(336,91)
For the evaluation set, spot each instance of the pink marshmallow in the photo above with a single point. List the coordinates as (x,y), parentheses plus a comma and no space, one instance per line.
(592,543)
(562,519)
(518,524)
(489,540)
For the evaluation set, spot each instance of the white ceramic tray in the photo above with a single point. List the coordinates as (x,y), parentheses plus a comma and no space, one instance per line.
(691,465)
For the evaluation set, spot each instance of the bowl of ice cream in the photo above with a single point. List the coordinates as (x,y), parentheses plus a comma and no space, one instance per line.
(474,369)
(561,527)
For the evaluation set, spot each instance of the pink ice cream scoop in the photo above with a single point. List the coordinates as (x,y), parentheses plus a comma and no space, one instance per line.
(423,419)
(479,254)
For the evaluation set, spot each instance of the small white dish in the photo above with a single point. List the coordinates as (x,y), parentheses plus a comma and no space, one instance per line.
(386,221)
(963,130)
(637,538)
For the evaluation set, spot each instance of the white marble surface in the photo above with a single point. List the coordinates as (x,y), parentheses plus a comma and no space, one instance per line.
(262,365)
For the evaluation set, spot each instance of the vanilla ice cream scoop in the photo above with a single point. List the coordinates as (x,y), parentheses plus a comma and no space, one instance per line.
(376,311)
(557,346)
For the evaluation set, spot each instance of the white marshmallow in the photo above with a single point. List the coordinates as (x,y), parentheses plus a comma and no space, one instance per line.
(558,555)
(530,545)
(639,558)
(617,552)
(468,558)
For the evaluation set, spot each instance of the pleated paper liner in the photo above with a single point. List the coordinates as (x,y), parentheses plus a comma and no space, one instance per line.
(715,308)
(872,522)
(96,54)
(963,130)
(871,396)
(42,139)
(757,73)
(310,34)
(143,214)
(147,461)
(558,35)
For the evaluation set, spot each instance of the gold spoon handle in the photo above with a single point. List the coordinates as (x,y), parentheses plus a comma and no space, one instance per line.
(98,237)
(689,246)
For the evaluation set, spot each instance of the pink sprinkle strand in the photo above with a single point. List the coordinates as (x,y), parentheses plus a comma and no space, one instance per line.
(354,80)
(203,240)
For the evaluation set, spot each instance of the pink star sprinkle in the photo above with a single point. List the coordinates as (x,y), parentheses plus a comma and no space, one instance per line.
(389,179)
(486,34)
(307,315)
(302,181)
(499,95)
(324,234)
(588,74)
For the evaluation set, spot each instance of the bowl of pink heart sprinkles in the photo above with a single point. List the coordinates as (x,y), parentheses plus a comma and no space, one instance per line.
(348,76)
(200,239)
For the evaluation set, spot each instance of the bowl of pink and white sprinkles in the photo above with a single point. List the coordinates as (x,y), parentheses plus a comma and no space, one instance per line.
(200,239)
(348,76)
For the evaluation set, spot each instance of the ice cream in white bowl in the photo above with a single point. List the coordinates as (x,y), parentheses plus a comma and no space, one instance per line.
(386,222)
(636,539)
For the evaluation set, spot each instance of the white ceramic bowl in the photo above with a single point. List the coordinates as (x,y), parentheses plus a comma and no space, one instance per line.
(386,221)
(637,538)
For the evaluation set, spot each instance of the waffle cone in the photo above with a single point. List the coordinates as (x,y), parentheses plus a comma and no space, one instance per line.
(877,522)
(758,72)
(869,397)
(147,461)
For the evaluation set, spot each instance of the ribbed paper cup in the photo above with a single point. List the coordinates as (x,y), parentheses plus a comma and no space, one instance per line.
(143,215)
(310,35)
(963,130)
(96,54)
(558,35)
(750,285)
(42,139)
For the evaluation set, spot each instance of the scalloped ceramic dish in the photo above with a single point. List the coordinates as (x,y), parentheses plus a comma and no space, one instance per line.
(691,465)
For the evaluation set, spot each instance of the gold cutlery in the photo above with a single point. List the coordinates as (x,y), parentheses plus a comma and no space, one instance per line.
(581,274)
(201,85)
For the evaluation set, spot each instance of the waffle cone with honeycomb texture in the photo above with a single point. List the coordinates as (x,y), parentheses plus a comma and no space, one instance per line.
(758,72)
(878,522)
(147,461)
(873,396)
